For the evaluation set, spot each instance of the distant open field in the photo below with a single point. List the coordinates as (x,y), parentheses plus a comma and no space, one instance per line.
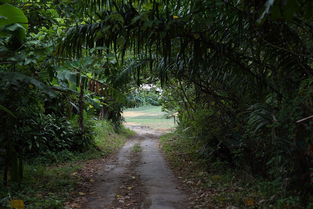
(151,116)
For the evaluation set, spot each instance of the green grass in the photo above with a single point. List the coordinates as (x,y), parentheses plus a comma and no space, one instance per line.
(136,148)
(147,109)
(48,186)
(151,116)
(107,140)
(42,187)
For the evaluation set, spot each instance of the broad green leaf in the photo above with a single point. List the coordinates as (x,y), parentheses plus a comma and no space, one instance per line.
(17,30)
(12,15)
(14,78)
(5,1)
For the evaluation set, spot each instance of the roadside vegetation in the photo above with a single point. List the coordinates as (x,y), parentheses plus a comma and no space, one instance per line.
(237,75)
(52,179)
(214,184)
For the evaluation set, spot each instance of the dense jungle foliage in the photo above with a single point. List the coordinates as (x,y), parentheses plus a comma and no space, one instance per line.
(49,104)
(238,73)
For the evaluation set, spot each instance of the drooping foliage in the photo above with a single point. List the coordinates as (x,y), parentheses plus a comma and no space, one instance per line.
(47,103)
(239,74)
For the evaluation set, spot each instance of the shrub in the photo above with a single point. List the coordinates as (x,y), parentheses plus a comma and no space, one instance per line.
(49,133)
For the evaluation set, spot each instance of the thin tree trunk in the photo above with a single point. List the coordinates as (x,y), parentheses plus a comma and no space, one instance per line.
(5,174)
(81,108)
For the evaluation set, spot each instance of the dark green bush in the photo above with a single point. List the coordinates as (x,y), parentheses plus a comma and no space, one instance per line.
(49,133)
(261,138)
(140,97)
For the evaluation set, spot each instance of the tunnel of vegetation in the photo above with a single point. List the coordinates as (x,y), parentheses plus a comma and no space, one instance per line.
(238,73)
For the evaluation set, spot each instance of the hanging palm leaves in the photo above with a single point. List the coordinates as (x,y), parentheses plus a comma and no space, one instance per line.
(244,61)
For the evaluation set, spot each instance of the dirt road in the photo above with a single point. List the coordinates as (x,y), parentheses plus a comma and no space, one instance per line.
(138,177)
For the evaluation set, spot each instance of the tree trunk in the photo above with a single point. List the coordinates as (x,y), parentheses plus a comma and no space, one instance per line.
(81,108)
(5,174)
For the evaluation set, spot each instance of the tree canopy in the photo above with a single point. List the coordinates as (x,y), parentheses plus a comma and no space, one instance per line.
(237,72)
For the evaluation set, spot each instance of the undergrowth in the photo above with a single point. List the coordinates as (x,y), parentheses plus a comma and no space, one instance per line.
(49,179)
(215,184)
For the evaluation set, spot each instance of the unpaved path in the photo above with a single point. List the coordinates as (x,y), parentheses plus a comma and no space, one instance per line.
(138,178)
